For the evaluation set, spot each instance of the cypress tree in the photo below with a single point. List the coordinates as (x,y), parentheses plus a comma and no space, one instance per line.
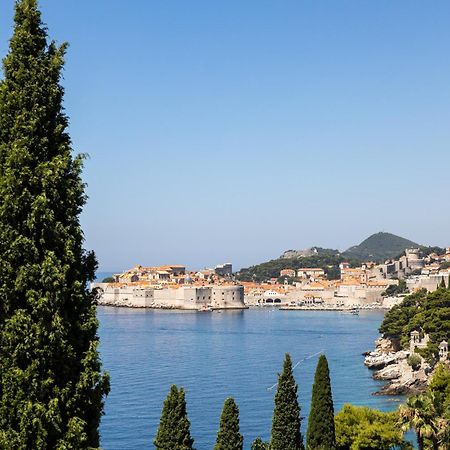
(259,444)
(228,436)
(173,432)
(286,416)
(321,434)
(51,385)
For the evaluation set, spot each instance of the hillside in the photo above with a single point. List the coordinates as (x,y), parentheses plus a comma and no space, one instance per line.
(379,247)
(313,251)
(271,269)
(421,311)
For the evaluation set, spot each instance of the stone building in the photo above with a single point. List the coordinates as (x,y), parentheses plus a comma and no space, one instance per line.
(443,351)
(186,297)
(418,341)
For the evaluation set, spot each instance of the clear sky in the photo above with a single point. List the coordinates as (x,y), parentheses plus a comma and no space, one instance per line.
(233,130)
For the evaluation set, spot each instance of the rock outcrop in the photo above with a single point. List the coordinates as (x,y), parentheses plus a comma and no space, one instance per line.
(390,364)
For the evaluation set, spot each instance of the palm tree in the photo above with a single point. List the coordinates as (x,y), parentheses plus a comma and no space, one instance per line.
(419,413)
(444,433)
(444,428)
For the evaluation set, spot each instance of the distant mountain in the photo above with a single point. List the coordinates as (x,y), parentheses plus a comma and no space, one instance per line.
(380,246)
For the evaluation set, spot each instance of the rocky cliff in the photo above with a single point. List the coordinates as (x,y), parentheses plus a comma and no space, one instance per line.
(390,364)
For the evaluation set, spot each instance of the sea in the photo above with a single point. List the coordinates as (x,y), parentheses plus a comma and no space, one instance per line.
(215,355)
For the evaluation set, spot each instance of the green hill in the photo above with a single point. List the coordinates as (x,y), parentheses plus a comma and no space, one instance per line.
(380,246)
(271,269)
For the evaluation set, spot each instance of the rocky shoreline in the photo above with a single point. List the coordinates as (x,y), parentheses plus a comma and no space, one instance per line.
(390,364)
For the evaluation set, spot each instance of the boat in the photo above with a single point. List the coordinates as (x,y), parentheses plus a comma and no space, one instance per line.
(205,308)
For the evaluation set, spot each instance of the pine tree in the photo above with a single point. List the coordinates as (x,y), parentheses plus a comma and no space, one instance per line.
(286,416)
(228,437)
(321,434)
(442,285)
(173,432)
(51,386)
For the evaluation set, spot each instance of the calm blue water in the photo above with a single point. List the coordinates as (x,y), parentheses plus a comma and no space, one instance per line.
(216,355)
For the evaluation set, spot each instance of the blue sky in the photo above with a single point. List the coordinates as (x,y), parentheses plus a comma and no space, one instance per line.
(233,130)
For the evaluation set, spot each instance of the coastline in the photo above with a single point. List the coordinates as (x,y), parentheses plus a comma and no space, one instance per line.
(334,308)
(134,305)
(102,302)
(390,363)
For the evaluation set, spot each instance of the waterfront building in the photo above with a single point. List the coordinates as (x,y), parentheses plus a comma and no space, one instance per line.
(177,297)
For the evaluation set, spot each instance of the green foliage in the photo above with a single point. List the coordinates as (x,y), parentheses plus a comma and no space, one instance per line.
(173,432)
(228,437)
(271,269)
(108,280)
(51,384)
(380,247)
(440,387)
(426,251)
(286,417)
(394,289)
(361,428)
(428,414)
(397,319)
(321,433)
(414,361)
(259,444)
(429,312)
(419,413)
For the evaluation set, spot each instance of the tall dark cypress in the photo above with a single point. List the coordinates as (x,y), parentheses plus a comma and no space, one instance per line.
(321,434)
(259,444)
(228,436)
(173,432)
(51,385)
(286,416)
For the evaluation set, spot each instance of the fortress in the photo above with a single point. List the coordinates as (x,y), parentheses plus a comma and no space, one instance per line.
(183,297)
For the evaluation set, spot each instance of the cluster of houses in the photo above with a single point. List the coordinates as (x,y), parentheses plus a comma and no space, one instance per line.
(435,270)
(174,274)
(361,286)
(356,287)
(171,286)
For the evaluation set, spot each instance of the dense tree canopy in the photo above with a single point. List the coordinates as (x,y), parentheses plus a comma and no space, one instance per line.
(428,414)
(321,434)
(271,269)
(259,444)
(427,312)
(361,428)
(228,436)
(286,420)
(51,384)
(174,427)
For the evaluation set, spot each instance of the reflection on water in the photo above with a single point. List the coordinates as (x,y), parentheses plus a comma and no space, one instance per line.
(219,354)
